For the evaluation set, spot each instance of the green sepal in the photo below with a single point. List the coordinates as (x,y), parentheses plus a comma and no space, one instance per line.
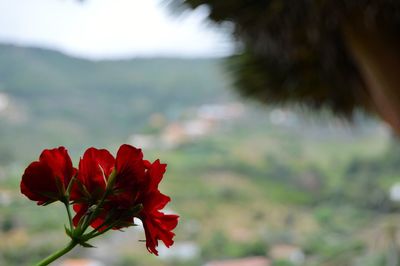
(111,180)
(91,209)
(68,232)
(137,209)
(48,202)
(69,187)
(86,245)
(125,224)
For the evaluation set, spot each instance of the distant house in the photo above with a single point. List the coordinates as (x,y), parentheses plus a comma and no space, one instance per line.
(4,101)
(144,141)
(197,127)
(220,111)
(291,253)
(5,197)
(181,251)
(81,262)
(394,192)
(250,261)
(176,134)
(173,135)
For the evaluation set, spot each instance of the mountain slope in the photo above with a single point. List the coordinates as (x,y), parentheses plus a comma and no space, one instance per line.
(58,99)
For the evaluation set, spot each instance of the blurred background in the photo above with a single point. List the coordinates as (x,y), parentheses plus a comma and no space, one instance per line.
(254,183)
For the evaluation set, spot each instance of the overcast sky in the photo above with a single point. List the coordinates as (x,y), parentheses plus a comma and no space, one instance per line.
(110,28)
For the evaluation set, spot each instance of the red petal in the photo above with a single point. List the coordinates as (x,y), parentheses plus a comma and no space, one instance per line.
(169,221)
(38,183)
(130,166)
(157,225)
(155,201)
(156,172)
(60,163)
(94,168)
(147,164)
(159,228)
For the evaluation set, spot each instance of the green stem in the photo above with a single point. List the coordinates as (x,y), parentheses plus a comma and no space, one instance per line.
(57,254)
(69,216)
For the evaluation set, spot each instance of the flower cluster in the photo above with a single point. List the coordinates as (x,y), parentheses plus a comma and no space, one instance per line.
(105,192)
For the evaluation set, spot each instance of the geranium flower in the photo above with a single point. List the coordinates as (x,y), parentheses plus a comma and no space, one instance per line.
(106,193)
(157,225)
(46,180)
(127,188)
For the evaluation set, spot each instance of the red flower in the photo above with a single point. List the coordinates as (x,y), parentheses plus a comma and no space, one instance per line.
(46,180)
(94,169)
(143,190)
(134,193)
(157,225)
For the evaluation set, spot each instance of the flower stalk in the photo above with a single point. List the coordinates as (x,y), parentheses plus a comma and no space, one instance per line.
(57,254)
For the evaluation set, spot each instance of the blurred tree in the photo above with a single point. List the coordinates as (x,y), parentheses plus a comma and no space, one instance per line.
(338,54)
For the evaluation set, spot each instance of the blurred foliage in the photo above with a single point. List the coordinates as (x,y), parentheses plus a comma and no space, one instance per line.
(221,247)
(295,51)
(282,263)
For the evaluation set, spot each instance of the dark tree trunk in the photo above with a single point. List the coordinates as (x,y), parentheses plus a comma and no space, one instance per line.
(378,58)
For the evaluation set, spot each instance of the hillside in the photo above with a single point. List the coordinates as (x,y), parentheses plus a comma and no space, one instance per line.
(59,99)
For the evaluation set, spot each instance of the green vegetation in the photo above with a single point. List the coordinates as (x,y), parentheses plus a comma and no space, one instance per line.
(245,187)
